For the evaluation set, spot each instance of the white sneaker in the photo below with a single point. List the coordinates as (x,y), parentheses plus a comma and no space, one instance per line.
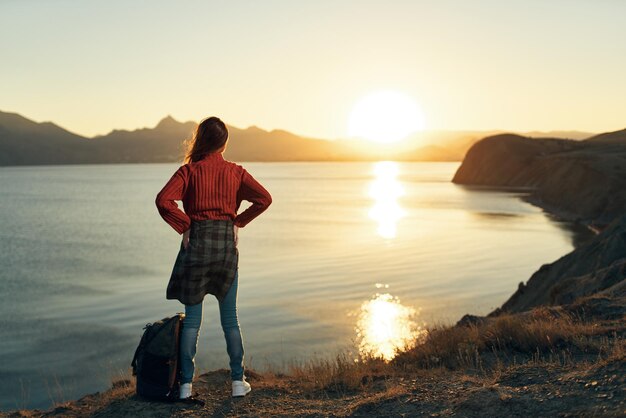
(241,388)
(185,391)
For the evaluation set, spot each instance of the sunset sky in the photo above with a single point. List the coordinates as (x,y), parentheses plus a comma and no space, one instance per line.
(303,65)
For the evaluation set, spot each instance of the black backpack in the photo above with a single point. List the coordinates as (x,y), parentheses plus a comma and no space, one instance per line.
(156,361)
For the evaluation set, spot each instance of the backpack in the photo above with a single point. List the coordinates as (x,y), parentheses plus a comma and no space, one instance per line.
(156,361)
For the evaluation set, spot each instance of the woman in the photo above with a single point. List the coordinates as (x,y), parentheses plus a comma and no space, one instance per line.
(211,190)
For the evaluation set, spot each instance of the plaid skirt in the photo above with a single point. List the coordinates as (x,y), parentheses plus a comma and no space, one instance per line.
(207,265)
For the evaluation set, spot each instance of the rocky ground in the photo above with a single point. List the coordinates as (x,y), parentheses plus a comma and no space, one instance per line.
(549,362)
(541,390)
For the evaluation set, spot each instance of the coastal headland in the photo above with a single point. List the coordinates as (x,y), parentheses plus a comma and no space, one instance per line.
(554,348)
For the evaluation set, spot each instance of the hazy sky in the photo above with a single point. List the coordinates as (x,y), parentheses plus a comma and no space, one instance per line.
(92,66)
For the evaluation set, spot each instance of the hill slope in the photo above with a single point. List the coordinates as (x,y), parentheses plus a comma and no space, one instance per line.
(23,141)
(597,267)
(579,180)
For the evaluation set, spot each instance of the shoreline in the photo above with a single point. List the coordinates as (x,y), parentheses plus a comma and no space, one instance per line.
(549,209)
(563,215)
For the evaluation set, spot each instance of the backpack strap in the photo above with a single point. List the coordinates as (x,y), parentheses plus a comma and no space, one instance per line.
(142,344)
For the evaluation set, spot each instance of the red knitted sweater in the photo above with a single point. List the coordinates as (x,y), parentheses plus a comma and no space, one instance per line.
(211,188)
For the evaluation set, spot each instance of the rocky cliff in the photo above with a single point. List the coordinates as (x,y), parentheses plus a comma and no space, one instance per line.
(578,180)
(597,267)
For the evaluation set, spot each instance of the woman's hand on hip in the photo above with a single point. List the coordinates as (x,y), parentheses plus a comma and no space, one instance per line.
(186,239)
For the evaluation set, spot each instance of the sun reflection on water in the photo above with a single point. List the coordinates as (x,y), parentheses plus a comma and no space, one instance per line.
(386,190)
(385,327)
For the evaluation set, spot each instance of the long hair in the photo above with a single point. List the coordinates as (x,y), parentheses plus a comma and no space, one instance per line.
(210,135)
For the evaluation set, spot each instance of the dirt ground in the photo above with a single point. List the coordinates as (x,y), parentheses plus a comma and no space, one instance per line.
(538,390)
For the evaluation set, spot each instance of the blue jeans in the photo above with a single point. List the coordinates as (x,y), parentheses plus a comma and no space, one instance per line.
(232,334)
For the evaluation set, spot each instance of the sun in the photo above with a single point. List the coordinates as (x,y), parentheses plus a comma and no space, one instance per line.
(385,116)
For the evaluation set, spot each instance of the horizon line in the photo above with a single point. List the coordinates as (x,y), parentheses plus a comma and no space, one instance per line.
(255,126)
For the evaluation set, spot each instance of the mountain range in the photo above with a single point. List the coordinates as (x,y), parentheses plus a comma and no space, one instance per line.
(26,142)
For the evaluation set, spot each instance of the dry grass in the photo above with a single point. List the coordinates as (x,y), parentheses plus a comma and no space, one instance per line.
(541,336)
(617,351)
(340,374)
(533,335)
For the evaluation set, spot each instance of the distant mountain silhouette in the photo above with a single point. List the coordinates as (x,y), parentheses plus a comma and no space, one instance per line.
(25,142)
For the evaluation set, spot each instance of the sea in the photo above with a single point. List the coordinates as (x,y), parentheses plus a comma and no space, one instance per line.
(85,259)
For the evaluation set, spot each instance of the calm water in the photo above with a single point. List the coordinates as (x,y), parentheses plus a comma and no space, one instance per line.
(85,259)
